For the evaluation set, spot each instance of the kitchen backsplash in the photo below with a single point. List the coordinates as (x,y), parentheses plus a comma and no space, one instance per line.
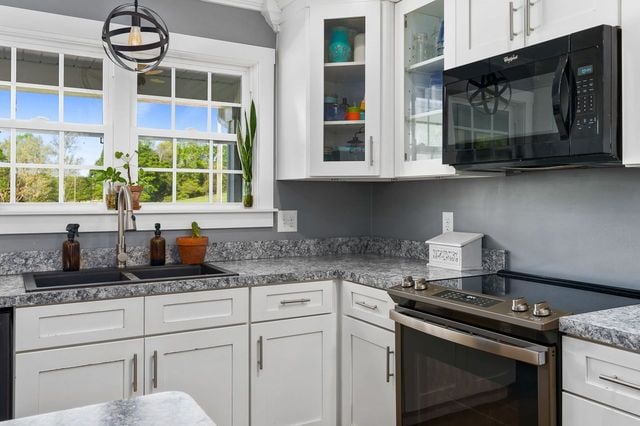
(37,261)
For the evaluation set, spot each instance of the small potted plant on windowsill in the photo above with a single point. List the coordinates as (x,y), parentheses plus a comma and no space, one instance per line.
(111,179)
(193,248)
(136,190)
(245,152)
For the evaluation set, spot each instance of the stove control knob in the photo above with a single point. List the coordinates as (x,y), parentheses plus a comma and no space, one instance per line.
(408,282)
(541,309)
(519,304)
(421,284)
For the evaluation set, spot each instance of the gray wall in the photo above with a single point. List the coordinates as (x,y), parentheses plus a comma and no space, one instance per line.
(325,209)
(579,224)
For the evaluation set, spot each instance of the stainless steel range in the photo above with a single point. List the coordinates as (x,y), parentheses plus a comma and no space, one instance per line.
(484,350)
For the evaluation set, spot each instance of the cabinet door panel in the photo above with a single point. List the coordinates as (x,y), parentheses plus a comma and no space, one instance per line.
(484,28)
(368,387)
(549,19)
(209,365)
(293,372)
(577,411)
(59,379)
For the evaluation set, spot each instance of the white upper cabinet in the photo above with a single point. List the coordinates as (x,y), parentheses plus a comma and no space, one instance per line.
(330,90)
(420,55)
(485,28)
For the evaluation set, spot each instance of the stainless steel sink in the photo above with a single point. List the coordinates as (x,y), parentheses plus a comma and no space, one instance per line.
(42,281)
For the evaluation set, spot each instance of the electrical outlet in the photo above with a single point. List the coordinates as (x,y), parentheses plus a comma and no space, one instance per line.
(447,222)
(288,221)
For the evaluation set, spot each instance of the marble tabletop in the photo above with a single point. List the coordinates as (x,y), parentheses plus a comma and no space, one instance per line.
(371,270)
(166,408)
(618,327)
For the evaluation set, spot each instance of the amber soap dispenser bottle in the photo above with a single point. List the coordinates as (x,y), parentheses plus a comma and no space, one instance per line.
(157,248)
(71,249)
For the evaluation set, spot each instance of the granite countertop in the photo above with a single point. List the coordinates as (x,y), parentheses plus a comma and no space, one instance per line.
(618,327)
(166,408)
(371,270)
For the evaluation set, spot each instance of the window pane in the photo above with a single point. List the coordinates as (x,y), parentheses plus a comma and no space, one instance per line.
(82,186)
(157,186)
(82,72)
(226,88)
(37,67)
(36,186)
(5,63)
(154,152)
(155,83)
(191,118)
(37,147)
(83,149)
(191,84)
(223,119)
(5,102)
(34,103)
(192,187)
(192,154)
(82,108)
(5,146)
(154,115)
(4,185)
(229,158)
(231,188)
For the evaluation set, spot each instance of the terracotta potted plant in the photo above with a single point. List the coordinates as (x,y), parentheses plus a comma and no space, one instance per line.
(193,249)
(245,152)
(136,190)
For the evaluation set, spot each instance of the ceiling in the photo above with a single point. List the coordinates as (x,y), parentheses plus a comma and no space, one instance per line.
(270,9)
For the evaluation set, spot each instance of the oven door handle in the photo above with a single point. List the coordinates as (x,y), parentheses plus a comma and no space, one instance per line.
(564,122)
(534,355)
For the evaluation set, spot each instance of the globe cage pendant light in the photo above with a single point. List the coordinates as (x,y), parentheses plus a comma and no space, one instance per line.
(135,55)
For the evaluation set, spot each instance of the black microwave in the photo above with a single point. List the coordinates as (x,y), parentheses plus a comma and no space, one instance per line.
(551,104)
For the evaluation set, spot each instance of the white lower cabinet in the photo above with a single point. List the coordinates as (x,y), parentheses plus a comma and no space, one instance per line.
(293,372)
(368,384)
(58,379)
(577,411)
(209,365)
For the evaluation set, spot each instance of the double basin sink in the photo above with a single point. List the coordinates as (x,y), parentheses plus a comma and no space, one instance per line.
(41,281)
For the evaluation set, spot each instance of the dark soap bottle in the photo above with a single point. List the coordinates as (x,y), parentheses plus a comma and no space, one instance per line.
(157,248)
(71,249)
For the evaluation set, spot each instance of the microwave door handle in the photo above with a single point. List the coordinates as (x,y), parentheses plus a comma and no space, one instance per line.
(563,122)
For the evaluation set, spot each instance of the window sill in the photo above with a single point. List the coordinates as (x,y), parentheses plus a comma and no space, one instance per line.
(98,219)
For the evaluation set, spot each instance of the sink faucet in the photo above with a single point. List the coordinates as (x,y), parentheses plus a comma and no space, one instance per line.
(126,222)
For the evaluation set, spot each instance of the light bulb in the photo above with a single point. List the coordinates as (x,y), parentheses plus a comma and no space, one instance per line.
(135,36)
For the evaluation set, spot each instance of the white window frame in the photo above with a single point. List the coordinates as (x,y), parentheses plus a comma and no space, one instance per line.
(51,32)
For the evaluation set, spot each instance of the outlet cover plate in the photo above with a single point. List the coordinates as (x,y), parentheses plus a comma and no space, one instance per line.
(447,222)
(287,221)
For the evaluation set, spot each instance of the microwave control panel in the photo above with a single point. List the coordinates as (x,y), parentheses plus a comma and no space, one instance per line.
(586,113)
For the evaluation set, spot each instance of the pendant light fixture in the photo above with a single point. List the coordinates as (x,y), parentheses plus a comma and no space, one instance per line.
(139,41)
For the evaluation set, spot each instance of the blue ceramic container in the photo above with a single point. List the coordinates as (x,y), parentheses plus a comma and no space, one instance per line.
(340,49)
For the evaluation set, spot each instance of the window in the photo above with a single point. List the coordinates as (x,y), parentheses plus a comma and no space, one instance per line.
(186,123)
(52,127)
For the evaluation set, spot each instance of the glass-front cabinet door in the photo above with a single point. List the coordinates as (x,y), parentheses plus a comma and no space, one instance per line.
(420,49)
(345,89)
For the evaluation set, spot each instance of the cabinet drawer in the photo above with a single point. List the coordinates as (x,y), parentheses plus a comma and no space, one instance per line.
(77,323)
(169,313)
(291,300)
(368,304)
(601,373)
(577,411)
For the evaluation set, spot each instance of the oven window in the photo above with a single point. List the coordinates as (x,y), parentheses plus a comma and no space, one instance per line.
(506,114)
(444,384)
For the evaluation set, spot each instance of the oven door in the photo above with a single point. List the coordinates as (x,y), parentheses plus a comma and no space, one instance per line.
(453,374)
(516,113)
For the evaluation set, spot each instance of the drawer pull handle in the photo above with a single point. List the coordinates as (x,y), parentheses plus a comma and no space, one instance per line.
(366,305)
(155,369)
(260,360)
(294,301)
(619,381)
(135,373)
